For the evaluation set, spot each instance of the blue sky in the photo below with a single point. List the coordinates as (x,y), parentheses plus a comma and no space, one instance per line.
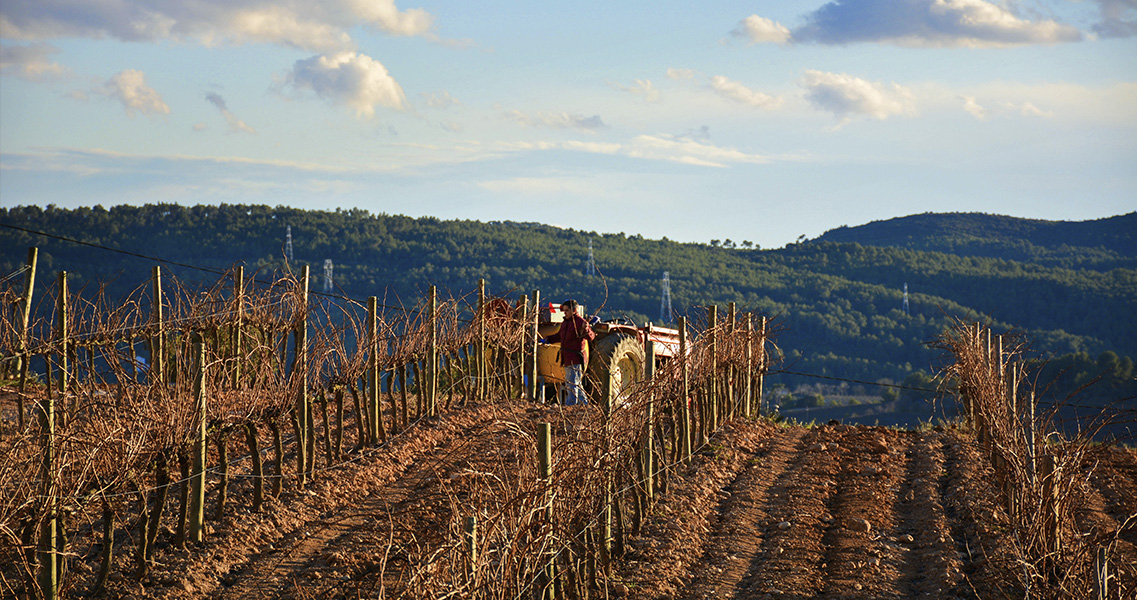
(758,121)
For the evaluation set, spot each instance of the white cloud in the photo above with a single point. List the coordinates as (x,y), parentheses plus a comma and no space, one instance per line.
(31,62)
(439,100)
(129,87)
(452,126)
(734,90)
(680,74)
(931,23)
(557,120)
(235,125)
(318,26)
(200,127)
(1026,109)
(663,147)
(846,96)
(972,107)
(760,30)
(644,88)
(355,80)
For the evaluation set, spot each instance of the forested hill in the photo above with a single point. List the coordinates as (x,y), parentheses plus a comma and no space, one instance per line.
(1101,245)
(839,303)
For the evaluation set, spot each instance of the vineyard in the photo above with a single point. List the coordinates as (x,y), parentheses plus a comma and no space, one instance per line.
(253,439)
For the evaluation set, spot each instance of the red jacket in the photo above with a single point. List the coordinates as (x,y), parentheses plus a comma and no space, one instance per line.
(572,335)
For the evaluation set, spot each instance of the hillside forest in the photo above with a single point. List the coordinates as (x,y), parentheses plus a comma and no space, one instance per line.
(837,302)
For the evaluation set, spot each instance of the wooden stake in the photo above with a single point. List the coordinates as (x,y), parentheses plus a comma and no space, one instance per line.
(197,476)
(25,316)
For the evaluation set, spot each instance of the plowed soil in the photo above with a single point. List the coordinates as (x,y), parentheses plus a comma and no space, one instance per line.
(763,511)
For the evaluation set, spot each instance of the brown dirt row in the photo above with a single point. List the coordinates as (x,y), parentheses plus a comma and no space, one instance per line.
(826,512)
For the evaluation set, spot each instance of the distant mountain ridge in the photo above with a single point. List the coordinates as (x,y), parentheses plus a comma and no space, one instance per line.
(1100,245)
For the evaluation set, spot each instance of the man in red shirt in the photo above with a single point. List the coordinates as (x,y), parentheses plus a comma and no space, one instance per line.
(574,335)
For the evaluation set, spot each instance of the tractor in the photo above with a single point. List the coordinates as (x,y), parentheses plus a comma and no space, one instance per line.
(616,357)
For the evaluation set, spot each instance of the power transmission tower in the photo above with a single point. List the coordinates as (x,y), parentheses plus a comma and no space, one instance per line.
(590,269)
(906,300)
(327,275)
(288,243)
(665,301)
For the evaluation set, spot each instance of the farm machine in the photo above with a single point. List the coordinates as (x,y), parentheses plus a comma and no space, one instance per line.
(616,358)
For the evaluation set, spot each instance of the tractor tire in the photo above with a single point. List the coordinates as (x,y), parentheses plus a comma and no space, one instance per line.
(616,363)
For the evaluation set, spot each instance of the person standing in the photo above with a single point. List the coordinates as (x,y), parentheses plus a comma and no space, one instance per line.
(574,335)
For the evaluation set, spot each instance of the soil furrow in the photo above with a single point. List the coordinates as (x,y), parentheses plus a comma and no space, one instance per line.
(789,562)
(737,535)
(931,566)
(392,481)
(862,560)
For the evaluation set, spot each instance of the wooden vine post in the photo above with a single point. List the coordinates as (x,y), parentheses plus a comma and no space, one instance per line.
(480,363)
(712,401)
(731,371)
(761,360)
(25,317)
(304,439)
(47,549)
(685,398)
(158,341)
(747,392)
(61,333)
(432,369)
(197,474)
(546,580)
(648,437)
(238,324)
(532,343)
(471,539)
(374,408)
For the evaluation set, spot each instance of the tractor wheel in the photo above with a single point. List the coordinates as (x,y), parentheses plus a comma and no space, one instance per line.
(615,364)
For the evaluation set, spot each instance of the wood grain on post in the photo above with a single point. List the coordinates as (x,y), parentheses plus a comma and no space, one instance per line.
(471,539)
(747,397)
(301,413)
(648,435)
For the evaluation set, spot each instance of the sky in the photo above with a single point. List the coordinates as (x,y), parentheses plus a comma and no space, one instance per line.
(755,121)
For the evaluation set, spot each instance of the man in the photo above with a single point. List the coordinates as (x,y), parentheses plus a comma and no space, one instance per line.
(574,335)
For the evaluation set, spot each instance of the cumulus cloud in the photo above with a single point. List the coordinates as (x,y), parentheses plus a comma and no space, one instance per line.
(235,125)
(680,74)
(760,30)
(318,26)
(1118,18)
(643,88)
(129,87)
(926,23)
(200,127)
(32,62)
(737,92)
(354,80)
(846,96)
(557,120)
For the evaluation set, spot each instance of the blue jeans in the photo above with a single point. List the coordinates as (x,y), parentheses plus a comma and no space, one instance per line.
(574,374)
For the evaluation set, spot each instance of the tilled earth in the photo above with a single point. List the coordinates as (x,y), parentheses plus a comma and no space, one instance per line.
(763,511)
